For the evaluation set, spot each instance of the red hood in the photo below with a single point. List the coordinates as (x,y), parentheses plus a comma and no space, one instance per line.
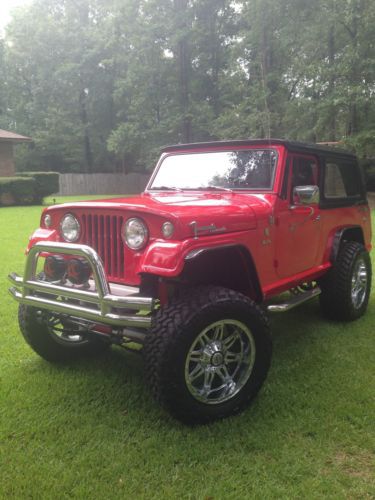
(229,211)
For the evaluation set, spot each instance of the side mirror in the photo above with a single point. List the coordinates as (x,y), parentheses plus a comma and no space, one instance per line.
(306,195)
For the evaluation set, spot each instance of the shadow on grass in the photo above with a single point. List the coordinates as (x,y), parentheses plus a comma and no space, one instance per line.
(112,386)
(95,423)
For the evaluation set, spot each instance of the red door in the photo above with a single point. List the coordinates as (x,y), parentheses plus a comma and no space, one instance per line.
(298,227)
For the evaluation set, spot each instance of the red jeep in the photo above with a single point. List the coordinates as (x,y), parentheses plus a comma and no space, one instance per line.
(190,268)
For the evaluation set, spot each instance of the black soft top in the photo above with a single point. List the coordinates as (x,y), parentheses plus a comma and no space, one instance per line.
(300,147)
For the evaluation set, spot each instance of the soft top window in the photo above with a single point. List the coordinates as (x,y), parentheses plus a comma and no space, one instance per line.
(342,180)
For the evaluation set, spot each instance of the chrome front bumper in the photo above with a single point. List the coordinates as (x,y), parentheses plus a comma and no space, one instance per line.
(98,303)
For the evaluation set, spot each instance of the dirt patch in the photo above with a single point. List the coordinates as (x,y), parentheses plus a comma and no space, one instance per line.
(359,465)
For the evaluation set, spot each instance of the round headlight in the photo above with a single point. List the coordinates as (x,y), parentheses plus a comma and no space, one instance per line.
(47,220)
(167,229)
(134,234)
(70,228)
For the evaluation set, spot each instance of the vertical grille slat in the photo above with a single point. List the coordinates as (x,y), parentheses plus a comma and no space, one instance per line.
(89,231)
(103,234)
(95,232)
(101,237)
(84,225)
(107,243)
(120,250)
(104,249)
(113,246)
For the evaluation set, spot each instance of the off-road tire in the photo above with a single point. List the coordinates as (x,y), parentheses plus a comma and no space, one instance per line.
(174,330)
(336,299)
(39,337)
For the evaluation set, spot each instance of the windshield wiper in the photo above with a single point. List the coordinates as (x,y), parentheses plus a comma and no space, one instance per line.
(200,188)
(214,188)
(165,188)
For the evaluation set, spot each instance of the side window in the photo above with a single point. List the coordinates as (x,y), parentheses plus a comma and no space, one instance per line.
(342,180)
(304,172)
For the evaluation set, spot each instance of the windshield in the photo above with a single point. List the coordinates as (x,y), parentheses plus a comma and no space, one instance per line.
(252,169)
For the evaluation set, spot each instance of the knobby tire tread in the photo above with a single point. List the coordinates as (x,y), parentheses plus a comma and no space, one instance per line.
(166,332)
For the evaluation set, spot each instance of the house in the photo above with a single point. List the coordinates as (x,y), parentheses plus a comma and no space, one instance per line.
(7,140)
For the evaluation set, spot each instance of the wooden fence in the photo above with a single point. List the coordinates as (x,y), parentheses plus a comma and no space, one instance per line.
(77,184)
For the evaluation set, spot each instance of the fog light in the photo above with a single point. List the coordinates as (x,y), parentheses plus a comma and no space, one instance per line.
(79,271)
(54,267)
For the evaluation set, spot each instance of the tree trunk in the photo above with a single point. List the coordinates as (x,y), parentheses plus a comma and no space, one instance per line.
(331,84)
(183,68)
(353,126)
(88,158)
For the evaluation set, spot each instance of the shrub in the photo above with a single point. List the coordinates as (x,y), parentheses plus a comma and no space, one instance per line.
(368,166)
(370,180)
(47,183)
(17,190)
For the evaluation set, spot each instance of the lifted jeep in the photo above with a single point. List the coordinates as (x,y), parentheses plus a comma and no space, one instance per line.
(189,268)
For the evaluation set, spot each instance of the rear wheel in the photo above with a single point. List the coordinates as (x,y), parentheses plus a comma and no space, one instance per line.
(55,338)
(207,354)
(346,288)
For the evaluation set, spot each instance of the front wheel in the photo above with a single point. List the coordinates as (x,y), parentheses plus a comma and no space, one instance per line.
(54,338)
(207,354)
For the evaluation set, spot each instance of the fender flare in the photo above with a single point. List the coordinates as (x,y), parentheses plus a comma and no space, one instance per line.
(248,263)
(355,233)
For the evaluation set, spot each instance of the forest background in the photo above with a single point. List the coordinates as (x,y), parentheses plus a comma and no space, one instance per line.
(101,85)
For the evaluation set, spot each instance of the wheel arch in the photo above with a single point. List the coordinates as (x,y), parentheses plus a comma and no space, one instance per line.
(230,266)
(350,233)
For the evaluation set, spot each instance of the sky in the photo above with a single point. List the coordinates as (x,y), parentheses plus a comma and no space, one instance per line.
(5,9)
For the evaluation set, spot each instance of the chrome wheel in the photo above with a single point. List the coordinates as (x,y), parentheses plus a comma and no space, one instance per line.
(220,361)
(359,283)
(62,330)
(57,338)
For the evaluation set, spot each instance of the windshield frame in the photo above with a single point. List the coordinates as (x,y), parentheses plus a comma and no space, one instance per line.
(275,150)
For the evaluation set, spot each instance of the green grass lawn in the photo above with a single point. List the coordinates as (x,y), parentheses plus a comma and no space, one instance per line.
(91,430)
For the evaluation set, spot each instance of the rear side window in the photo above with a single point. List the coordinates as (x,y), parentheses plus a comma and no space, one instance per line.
(342,180)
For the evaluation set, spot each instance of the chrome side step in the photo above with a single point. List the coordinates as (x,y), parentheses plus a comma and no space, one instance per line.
(295,301)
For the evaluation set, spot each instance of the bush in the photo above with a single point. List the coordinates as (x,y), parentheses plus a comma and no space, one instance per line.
(368,166)
(47,183)
(370,180)
(17,190)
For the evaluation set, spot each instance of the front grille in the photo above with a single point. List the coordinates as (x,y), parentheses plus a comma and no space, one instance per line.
(103,234)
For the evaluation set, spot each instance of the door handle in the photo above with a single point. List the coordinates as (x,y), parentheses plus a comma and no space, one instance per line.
(307,210)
